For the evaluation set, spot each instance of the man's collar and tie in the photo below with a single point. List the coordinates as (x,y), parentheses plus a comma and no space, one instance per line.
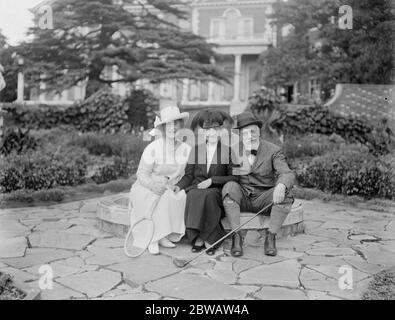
(253,152)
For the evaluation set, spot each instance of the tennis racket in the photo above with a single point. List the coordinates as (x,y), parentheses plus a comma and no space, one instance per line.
(140,233)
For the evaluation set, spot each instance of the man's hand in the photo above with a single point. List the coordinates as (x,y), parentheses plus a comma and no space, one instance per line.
(205,184)
(158,188)
(279,193)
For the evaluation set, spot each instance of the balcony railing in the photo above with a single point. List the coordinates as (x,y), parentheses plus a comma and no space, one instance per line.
(242,38)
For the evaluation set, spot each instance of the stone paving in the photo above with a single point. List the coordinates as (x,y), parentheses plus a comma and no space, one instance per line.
(88,263)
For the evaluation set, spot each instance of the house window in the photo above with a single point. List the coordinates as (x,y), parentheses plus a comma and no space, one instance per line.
(166,89)
(216,28)
(194,90)
(232,23)
(314,89)
(231,26)
(246,27)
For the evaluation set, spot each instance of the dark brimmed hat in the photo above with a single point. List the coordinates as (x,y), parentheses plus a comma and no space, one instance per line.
(207,119)
(246,119)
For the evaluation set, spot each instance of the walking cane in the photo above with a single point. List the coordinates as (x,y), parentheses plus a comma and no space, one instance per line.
(181,263)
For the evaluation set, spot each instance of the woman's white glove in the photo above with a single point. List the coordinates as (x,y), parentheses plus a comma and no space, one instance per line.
(205,184)
(158,188)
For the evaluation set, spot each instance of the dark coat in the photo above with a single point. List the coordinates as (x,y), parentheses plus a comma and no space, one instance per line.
(270,168)
(204,209)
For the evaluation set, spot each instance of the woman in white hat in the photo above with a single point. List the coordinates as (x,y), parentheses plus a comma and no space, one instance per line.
(161,166)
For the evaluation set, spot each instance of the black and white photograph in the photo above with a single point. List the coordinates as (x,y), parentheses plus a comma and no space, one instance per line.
(222,152)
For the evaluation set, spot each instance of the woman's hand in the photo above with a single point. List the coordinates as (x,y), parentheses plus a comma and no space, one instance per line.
(205,184)
(158,188)
(175,189)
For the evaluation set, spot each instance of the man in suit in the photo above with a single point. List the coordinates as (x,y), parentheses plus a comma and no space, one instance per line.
(264,177)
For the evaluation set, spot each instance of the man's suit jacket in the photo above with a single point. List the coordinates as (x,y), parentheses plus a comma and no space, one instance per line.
(269,169)
(221,169)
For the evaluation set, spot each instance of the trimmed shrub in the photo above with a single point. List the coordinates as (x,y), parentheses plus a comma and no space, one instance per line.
(310,145)
(59,136)
(351,170)
(40,116)
(265,105)
(263,100)
(382,286)
(127,146)
(101,112)
(142,106)
(121,168)
(37,170)
(319,119)
(18,140)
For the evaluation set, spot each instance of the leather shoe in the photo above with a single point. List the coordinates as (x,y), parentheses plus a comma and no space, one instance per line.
(237,245)
(196,248)
(153,248)
(270,244)
(213,250)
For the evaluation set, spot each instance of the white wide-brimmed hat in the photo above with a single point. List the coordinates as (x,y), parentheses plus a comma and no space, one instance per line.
(167,115)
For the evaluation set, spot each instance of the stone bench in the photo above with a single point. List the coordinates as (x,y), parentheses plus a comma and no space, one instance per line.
(113,217)
(292,225)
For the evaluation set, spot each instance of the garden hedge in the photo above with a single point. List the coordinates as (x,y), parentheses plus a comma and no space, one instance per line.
(351,170)
(319,119)
(103,111)
(16,140)
(35,170)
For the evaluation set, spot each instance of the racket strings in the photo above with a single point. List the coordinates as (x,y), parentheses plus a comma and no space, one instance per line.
(139,238)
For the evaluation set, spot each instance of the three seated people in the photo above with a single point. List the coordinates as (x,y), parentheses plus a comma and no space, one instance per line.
(199,186)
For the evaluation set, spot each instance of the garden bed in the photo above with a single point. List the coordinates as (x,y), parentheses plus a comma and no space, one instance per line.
(49,166)
(12,290)
(376,204)
(66,165)
(382,287)
(29,198)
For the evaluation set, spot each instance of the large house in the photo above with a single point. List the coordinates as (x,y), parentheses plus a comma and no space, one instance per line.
(242,31)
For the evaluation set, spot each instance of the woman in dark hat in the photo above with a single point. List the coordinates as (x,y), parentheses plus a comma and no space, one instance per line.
(209,168)
(227,120)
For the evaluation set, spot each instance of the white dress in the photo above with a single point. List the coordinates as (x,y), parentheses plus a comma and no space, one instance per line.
(161,161)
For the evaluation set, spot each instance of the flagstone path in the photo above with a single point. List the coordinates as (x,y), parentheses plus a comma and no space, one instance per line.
(88,263)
